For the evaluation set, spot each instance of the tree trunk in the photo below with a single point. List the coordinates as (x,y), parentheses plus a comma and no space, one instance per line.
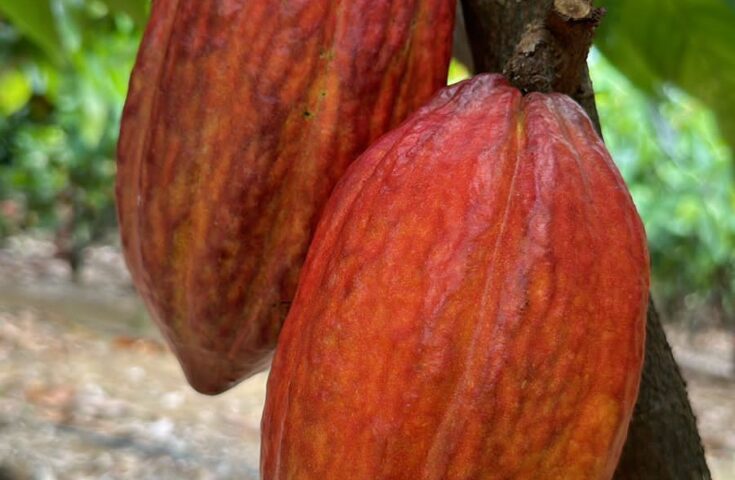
(542,45)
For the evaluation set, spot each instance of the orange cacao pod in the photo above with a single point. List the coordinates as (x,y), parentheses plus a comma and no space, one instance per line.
(472,306)
(241,116)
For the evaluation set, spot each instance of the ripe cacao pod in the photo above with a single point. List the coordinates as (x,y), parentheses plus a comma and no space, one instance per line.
(241,116)
(472,305)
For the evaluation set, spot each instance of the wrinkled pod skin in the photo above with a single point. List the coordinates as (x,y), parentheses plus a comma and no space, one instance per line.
(472,305)
(241,117)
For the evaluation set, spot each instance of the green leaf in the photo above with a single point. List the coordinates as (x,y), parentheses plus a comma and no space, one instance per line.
(457,72)
(15,91)
(35,19)
(136,9)
(688,43)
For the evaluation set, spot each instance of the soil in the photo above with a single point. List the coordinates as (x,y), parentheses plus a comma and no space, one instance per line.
(88,390)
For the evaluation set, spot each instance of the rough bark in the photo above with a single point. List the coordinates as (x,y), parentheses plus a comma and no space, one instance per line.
(542,45)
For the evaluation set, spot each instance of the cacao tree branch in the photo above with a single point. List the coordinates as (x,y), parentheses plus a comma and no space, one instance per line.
(543,45)
(550,54)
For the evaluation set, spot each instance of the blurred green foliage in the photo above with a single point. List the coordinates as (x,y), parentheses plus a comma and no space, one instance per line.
(681,174)
(64,67)
(61,94)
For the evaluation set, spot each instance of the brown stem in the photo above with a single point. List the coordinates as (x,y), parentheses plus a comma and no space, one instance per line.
(542,45)
(551,54)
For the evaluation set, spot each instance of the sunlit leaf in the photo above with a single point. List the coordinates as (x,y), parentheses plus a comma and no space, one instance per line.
(15,90)
(457,72)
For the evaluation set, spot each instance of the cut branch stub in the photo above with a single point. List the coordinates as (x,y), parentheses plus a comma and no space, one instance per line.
(551,55)
(573,9)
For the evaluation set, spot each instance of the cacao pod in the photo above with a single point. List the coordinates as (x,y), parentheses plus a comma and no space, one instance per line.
(472,305)
(241,116)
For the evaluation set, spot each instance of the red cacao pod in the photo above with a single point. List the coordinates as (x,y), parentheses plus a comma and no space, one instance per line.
(241,116)
(472,305)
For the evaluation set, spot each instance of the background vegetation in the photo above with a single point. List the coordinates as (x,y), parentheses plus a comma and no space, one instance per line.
(664,72)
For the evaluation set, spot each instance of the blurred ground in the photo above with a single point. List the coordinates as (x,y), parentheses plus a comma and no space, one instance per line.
(88,390)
